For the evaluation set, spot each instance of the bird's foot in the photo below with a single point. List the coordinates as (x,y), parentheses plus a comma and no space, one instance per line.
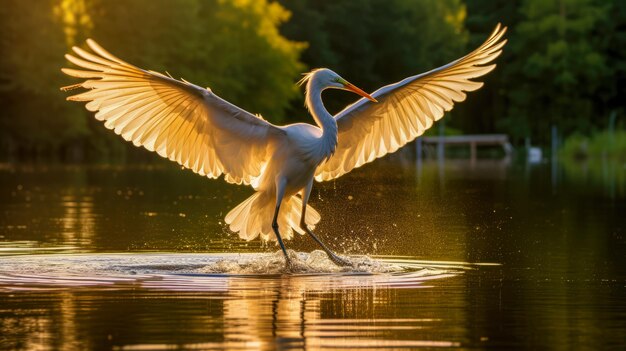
(294,267)
(339,261)
(291,260)
(289,265)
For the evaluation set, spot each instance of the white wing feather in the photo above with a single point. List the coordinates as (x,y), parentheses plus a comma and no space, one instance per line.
(405,109)
(180,121)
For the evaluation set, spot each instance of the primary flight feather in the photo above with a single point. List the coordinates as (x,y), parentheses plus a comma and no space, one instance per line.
(203,132)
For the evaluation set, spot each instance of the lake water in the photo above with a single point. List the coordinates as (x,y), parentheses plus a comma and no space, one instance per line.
(484,255)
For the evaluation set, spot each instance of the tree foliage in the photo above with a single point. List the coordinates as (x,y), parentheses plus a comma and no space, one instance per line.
(376,42)
(234,47)
(34,114)
(565,63)
(562,66)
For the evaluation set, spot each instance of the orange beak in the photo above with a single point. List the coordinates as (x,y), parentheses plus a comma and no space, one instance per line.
(354,89)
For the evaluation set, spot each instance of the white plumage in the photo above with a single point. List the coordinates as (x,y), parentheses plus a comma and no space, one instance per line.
(197,129)
(406,110)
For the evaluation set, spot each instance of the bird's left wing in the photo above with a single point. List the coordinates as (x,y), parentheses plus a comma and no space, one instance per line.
(369,130)
(179,120)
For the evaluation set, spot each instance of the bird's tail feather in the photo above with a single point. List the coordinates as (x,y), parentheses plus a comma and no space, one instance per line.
(253,217)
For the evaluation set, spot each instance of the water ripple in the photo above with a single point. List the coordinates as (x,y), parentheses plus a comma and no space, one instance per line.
(217,272)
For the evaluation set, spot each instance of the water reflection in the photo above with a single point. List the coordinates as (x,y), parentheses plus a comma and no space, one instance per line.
(260,312)
(609,175)
(78,220)
(562,278)
(252,319)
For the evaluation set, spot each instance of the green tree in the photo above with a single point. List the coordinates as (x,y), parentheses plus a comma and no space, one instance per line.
(35,119)
(560,67)
(376,42)
(613,37)
(485,108)
(233,47)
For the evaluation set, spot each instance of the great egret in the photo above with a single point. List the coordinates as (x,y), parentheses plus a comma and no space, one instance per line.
(194,127)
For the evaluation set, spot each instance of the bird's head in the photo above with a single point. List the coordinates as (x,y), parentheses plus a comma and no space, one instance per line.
(325,78)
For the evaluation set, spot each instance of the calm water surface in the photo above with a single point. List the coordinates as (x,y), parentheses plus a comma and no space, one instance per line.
(484,255)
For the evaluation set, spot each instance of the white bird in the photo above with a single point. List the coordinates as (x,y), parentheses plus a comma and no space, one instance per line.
(199,130)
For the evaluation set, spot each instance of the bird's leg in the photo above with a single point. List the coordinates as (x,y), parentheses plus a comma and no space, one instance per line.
(280,193)
(333,257)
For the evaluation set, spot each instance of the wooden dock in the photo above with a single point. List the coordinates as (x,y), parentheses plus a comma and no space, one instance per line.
(472,140)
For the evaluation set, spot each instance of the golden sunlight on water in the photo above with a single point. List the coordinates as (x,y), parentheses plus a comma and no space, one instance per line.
(253,310)
(106,257)
(77,221)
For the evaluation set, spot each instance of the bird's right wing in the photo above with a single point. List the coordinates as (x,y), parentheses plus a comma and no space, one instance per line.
(179,120)
(369,130)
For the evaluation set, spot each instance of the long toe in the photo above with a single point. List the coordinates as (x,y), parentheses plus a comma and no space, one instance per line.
(339,261)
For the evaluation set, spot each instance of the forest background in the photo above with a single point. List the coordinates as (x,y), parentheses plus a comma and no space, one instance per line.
(563,70)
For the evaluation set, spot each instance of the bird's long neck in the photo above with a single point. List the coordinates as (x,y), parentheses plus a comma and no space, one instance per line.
(322,117)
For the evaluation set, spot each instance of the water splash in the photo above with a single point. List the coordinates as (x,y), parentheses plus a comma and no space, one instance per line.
(316,262)
(216,272)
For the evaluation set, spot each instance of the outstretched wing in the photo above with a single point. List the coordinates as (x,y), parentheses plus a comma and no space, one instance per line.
(179,120)
(406,109)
